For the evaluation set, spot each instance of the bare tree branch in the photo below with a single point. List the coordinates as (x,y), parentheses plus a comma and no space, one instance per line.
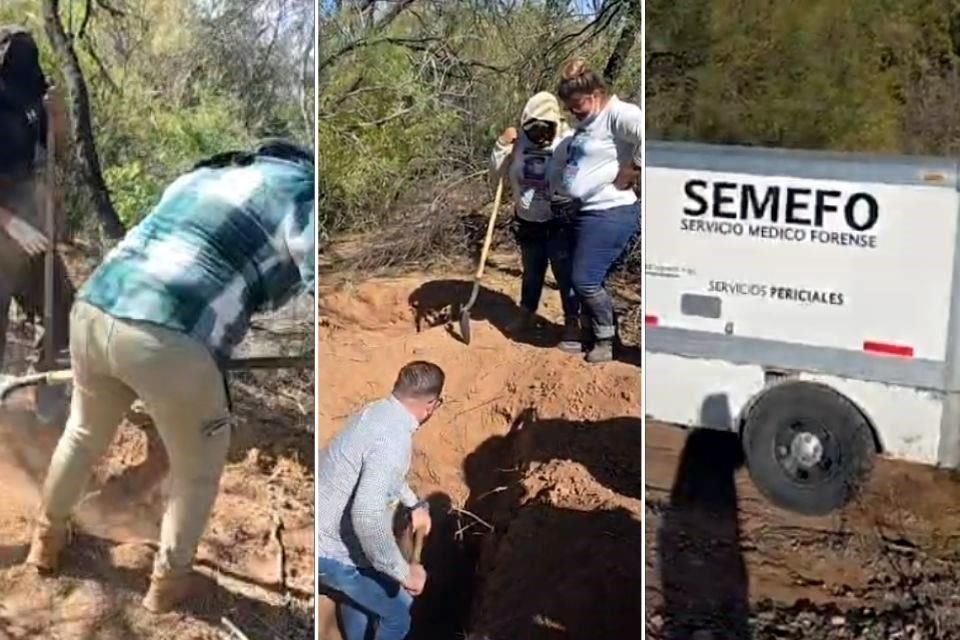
(384,120)
(625,43)
(79,109)
(104,72)
(306,80)
(372,42)
(116,13)
(87,12)
(601,21)
(395,10)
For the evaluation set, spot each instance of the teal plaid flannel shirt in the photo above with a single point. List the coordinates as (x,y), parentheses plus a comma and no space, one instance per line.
(221,245)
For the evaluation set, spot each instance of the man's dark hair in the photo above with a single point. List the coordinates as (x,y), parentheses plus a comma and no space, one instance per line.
(419,379)
(280,148)
(285,149)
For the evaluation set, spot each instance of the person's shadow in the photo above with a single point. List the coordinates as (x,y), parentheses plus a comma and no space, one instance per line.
(440,611)
(703,575)
(439,303)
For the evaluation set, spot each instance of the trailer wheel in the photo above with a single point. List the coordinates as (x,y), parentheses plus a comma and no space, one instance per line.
(808,448)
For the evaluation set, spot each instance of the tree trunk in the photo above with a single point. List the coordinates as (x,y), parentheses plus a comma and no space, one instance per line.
(625,43)
(81,128)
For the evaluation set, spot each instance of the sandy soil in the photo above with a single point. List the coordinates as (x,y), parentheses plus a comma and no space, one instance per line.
(532,466)
(723,562)
(269,480)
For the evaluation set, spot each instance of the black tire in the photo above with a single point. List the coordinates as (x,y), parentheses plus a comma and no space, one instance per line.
(781,456)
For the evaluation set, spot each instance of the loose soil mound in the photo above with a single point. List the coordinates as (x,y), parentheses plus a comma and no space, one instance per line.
(532,466)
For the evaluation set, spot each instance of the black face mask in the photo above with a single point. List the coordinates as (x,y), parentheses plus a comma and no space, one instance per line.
(540,132)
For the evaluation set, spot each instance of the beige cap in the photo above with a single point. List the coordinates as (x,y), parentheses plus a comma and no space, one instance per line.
(544,106)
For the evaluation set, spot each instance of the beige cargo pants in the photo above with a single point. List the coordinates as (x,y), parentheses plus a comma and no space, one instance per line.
(114,362)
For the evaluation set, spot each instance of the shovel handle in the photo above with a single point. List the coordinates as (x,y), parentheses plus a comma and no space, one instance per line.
(488,239)
(233,364)
(417,546)
(62,376)
(47,377)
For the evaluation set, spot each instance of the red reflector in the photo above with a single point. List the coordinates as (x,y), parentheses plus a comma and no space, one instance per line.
(651,320)
(888,349)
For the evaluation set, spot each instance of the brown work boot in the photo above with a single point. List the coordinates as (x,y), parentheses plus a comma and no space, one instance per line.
(571,339)
(168,591)
(602,351)
(46,545)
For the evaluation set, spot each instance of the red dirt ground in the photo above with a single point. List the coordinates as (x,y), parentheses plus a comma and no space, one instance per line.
(532,466)
(723,561)
(105,572)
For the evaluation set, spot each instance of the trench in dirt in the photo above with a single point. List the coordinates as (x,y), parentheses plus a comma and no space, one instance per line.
(551,549)
(532,467)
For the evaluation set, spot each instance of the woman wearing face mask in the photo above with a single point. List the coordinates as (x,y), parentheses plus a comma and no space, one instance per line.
(601,172)
(528,159)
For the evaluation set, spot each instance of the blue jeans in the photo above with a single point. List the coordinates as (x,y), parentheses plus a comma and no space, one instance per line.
(368,600)
(543,243)
(601,236)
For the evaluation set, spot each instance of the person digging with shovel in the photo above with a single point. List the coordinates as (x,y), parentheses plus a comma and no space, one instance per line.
(28,108)
(232,237)
(361,477)
(529,159)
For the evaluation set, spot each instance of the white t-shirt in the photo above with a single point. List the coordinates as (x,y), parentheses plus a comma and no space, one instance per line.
(597,150)
(534,173)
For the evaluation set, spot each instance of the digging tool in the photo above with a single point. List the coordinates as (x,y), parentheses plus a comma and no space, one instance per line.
(465,310)
(409,539)
(9,384)
(49,402)
(417,546)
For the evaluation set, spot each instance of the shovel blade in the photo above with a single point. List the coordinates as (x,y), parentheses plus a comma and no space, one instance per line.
(465,313)
(9,385)
(51,400)
(465,326)
(53,403)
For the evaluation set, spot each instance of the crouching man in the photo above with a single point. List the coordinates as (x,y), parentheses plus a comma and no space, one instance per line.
(232,237)
(361,478)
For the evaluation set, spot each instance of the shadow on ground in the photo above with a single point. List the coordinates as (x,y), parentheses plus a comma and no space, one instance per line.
(703,575)
(255,617)
(560,561)
(439,302)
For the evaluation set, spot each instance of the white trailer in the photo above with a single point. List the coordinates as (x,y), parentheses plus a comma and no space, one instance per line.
(809,302)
